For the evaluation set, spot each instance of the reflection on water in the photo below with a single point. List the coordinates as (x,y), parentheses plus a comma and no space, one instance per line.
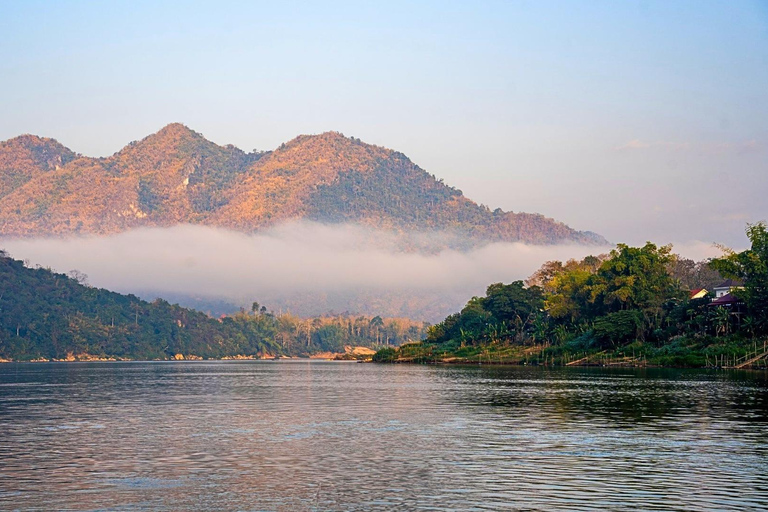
(340,436)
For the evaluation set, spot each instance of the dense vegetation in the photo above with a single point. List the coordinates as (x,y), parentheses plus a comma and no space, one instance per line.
(45,315)
(629,306)
(177,176)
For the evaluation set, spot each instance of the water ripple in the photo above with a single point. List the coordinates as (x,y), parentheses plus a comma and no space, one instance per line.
(324,436)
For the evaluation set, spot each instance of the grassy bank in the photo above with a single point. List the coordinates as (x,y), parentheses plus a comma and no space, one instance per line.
(681,352)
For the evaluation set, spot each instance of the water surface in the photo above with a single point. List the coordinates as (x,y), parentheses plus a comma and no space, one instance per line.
(344,436)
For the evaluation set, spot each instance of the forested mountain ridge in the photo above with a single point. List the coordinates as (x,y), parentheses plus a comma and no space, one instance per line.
(177,176)
(46,315)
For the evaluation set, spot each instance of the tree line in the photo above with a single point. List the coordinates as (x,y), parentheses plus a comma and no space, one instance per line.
(633,298)
(48,315)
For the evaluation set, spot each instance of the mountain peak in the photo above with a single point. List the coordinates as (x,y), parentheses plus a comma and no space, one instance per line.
(177,130)
(28,156)
(329,135)
(30,142)
(177,176)
(25,139)
(171,134)
(328,151)
(330,139)
(41,152)
(172,141)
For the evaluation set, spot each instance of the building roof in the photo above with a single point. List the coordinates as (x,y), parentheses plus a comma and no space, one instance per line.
(698,293)
(725,300)
(730,283)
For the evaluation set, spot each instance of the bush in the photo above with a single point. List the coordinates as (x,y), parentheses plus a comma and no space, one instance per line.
(618,328)
(385,355)
(584,342)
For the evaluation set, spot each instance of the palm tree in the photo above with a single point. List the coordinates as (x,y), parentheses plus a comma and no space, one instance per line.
(561,332)
(722,320)
(749,324)
(539,332)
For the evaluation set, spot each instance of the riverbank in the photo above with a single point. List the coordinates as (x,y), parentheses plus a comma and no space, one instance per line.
(682,352)
(350,354)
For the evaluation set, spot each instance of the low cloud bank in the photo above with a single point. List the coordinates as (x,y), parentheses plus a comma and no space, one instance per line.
(351,264)
(723,147)
(697,250)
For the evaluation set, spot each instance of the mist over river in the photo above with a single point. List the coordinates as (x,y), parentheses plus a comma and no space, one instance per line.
(299,435)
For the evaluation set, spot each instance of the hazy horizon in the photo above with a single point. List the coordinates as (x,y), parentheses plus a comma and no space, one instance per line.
(306,267)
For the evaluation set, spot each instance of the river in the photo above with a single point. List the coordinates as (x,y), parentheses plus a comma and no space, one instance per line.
(300,435)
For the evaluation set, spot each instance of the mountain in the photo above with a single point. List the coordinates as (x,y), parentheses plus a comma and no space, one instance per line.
(167,178)
(177,176)
(27,157)
(45,315)
(48,315)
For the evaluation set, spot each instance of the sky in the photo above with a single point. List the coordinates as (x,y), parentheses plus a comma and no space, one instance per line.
(639,120)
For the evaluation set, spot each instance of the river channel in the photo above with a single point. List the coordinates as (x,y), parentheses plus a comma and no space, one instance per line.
(300,435)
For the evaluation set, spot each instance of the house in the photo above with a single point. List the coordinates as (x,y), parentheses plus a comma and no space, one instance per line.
(728,300)
(725,299)
(726,287)
(698,293)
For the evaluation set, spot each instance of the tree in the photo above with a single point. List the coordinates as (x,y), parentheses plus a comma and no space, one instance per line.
(377,323)
(634,278)
(722,320)
(78,276)
(512,306)
(619,327)
(690,275)
(511,302)
(751,267)
(570,298)
(545,277)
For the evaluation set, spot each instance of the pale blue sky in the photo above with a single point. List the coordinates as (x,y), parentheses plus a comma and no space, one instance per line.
(638,120)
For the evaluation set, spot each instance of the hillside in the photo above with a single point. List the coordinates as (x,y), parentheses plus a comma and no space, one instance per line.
(27,157)
(48,315)
(45,315)
(177,176)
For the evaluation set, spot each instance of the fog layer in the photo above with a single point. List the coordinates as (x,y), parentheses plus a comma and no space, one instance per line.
(306,267)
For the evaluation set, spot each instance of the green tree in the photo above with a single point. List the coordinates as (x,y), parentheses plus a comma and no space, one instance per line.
(721,317)
(634,278)
(377,323)
(512,302)
(751,267)
(619,327)
(570,298)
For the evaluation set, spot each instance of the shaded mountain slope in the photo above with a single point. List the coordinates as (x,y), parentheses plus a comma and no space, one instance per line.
(48,315)
(177,176)
(45,315)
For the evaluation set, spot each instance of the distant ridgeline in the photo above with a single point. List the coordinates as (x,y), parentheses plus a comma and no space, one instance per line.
(177,176)
(44,315)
